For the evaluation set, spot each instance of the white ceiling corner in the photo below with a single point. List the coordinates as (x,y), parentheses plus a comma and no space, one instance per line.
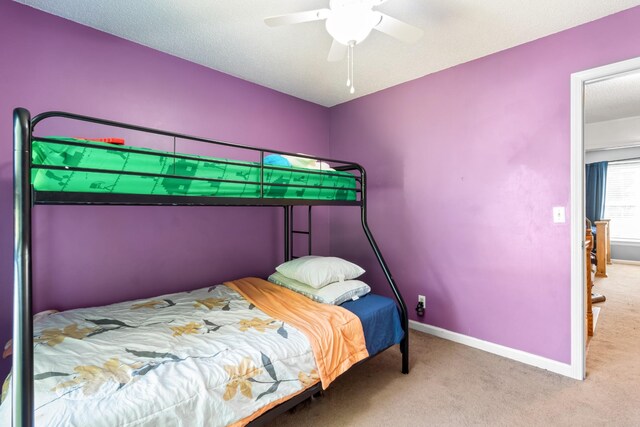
(230,36)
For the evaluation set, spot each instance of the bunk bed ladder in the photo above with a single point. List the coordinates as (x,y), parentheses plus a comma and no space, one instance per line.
(290,231)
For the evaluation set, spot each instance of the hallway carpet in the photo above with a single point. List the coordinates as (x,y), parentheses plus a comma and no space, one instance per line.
(454,385)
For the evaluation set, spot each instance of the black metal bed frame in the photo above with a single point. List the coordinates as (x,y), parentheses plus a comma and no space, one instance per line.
(25,197)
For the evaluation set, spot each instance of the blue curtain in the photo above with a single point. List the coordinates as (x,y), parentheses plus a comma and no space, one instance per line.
(596,188)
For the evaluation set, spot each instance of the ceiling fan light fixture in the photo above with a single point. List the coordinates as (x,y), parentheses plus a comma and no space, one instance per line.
(351,23)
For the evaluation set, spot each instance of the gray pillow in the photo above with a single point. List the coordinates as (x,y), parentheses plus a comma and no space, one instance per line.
(334,293)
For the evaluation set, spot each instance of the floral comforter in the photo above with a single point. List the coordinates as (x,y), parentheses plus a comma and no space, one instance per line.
(205,357)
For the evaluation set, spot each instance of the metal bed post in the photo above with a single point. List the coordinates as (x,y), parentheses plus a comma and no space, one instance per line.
(22,359)
(404,344)
(287,233)
(309,230)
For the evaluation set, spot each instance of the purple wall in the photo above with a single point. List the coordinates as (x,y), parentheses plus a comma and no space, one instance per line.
(464,168)
(92,255)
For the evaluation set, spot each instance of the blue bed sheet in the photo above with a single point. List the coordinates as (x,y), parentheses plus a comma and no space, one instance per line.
(380,321)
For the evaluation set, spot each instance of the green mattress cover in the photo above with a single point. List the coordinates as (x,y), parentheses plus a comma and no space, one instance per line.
(136,159)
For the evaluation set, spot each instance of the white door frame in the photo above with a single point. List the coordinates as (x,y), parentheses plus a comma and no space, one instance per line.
(578,302)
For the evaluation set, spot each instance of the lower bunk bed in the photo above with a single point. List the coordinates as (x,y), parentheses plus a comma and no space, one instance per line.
(233,354)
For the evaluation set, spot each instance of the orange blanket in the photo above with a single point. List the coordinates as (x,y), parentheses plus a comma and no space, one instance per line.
(335,334)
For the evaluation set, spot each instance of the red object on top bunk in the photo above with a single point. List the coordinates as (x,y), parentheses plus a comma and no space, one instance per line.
(117,141)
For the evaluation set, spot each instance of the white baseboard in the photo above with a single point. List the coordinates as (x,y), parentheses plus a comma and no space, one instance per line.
(624,261)
(500,350)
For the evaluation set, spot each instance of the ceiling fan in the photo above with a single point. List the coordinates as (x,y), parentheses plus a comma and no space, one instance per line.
(349,22)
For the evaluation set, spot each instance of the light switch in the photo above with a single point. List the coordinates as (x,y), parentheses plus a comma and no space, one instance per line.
(558,214)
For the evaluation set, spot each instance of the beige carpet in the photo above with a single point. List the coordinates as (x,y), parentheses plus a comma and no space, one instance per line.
(451,384)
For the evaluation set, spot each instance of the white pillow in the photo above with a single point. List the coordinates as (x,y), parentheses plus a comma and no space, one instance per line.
(319,271)
(334,293)
(323,166)
(300,162)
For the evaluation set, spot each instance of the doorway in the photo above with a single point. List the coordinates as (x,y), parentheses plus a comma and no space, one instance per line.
(579,85)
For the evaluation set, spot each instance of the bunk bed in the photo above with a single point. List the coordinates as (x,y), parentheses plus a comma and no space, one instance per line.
(47,171)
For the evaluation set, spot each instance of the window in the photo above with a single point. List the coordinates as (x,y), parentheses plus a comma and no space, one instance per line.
(622,202)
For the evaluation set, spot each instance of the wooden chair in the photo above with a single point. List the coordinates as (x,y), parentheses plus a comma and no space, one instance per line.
(589,278)
(603,247)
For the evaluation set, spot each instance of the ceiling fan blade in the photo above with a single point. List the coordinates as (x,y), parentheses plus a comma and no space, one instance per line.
(337,52)
(398,29)
(297,18)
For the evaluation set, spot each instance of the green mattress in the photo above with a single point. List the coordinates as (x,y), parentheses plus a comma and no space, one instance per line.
(328,185)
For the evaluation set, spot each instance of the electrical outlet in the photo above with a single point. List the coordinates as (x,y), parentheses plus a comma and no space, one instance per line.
(420,307)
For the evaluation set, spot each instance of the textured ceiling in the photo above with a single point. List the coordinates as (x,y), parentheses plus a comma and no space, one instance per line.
(230,36)
(614,98)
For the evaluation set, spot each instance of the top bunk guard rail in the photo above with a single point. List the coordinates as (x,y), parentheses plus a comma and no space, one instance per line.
(25,197)
(182,156)
(71,116)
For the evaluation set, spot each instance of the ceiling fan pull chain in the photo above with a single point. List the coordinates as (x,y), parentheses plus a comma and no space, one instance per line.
(348,66)
(351,45)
